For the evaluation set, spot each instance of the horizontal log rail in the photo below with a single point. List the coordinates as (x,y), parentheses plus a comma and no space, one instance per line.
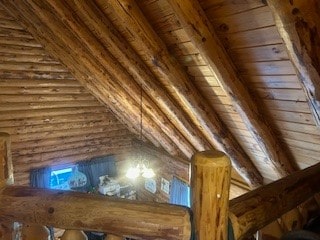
(210,181)
(73,210)
(254,210)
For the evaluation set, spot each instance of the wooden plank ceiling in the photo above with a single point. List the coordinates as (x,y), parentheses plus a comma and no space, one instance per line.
(214,73)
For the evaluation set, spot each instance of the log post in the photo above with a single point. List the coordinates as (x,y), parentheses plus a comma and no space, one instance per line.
(6,170)
(81,211)
(254,210)
(210,182)
(6,178)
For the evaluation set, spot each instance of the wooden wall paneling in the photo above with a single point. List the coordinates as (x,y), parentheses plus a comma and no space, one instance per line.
(101,92)
(119,47)
(203,36)
(298,24)
(53,119)
(166,69)
(112,65)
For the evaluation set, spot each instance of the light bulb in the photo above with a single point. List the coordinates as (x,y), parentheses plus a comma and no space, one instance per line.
(133,173)
(148,173)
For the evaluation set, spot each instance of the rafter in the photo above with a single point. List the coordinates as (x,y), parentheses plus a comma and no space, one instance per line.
(202,35)
(177,81)
(298,23)
(90,73)
(120,75)
(119,47)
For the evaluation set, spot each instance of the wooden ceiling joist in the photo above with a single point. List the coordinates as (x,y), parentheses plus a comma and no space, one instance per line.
(298,23)
(61,49)
(177,81)
(119,73)
(201,33)
(119,47)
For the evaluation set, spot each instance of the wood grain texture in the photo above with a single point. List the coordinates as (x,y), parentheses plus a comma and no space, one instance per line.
(204,38)
(210,182)
(175,78)
(6,169)
(298,24)
(65,209)
(255,209)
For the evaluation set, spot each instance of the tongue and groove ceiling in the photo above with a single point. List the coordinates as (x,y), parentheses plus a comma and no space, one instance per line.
(214,73)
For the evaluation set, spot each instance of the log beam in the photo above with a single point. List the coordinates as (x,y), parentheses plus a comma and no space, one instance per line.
(298,23)
(174,77)
(210,179)
(84,67)
(254,210)
(73,210)
(120,74)
(201,33)
(121,49)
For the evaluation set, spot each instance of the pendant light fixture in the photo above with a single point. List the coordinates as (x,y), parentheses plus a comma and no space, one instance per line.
(140,166)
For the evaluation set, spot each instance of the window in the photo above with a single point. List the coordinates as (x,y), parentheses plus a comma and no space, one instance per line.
(179,192)
(59,178)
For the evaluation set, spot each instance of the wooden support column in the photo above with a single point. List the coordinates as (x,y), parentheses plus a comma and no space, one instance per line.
(210,183)
(6,178)
(81,211)
(6,170)
(298,23)
(254,210)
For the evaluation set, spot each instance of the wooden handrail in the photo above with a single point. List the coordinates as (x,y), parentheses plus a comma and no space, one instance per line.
(121,217)
(74,210)
(254,210)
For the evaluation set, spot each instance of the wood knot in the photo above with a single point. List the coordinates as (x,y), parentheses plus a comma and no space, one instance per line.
(295,11)
(203,39)
(275,50)
(51,210)
(223,27)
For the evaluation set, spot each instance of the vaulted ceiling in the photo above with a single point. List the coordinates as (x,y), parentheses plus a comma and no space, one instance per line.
(217,74)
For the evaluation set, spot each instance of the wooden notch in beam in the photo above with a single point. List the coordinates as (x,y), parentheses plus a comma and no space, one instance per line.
(201,33)
(72,210)
(254,210)
(172,75)
(298,23)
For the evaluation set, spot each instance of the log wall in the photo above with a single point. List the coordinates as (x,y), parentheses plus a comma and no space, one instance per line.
(51,118)
(167,167)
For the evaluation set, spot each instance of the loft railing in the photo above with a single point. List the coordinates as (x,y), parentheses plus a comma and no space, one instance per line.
(210,211)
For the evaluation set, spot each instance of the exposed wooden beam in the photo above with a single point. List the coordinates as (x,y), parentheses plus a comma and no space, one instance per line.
(64,47)
(120,74)
(298,23)
(103,28)
(175,78)
(69,210)
(254,210)
(202,35)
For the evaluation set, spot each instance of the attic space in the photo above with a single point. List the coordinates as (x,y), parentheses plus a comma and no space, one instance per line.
(91,90)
